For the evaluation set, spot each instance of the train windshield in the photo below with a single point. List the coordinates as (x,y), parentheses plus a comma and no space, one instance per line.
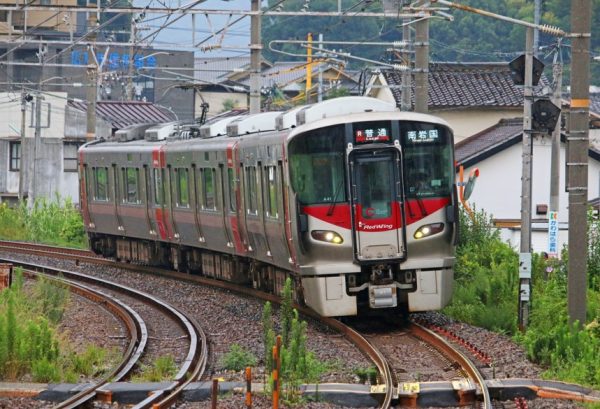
(428,159)
(317,166)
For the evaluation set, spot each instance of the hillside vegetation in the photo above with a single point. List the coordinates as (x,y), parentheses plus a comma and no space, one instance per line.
(469,37)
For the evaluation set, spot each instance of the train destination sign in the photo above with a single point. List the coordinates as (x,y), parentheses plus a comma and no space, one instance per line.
(368,135)
(423,136)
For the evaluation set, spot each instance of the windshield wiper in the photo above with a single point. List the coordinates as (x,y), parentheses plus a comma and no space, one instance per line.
(335,197)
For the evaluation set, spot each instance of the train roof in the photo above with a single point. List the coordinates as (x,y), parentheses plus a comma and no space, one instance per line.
(298,119)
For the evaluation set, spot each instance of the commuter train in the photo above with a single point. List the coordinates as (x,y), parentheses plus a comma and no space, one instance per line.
(351,198)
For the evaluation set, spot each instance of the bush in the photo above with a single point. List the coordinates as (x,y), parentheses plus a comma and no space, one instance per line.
(486,277)
(237,359)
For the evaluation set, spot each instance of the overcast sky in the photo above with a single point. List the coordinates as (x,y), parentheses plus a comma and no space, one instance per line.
(234,42)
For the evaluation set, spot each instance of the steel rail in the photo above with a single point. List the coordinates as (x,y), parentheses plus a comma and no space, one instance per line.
(135,325)
(195,361)
(465,363)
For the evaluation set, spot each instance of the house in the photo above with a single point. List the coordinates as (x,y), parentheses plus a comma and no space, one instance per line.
(224,83)
(470,96)
(62,132)
(497,151)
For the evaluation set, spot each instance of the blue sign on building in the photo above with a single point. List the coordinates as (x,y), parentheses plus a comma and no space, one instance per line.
(115,60)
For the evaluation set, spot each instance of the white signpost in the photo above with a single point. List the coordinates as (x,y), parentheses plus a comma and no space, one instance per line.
(553,234)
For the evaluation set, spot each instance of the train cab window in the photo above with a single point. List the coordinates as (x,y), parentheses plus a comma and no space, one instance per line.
(428,160)
(183,198)
(231,189)
(131,177)
(207,179)
(101,184)
(271,192)
(251,188)
(159,188)
(317,166)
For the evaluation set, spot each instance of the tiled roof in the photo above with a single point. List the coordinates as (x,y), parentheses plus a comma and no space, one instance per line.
(494,139)
(286,73)
(467,85)
(219,70)
(485,141)
(124,113)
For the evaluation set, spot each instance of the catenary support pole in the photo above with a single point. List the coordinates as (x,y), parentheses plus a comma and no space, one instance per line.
(406,101)
(255,57)
(525,253)
(557,69)
(92,89)
(577,161)
(421,65)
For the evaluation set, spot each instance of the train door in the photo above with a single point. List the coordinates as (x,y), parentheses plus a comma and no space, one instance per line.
(376,197)
(161,217)
(147,183)
(116,194)
(235,207)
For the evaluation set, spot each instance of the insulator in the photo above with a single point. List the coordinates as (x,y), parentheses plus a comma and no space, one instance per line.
(552,30)
(400,67)
(400,44)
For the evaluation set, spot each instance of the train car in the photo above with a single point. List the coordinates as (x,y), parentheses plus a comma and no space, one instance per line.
(352,199)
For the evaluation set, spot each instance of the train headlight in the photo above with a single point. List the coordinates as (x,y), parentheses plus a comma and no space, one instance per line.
(428,230)
(327,236)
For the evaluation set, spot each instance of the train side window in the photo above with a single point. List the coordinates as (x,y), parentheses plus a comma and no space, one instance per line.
(183,182)
(131,177)
(271,192)
(208,191)
(251,188)
(231,188)
(101,184)
(159,187)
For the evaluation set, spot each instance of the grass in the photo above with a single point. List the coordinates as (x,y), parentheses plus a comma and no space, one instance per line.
(55,222)
(30,344)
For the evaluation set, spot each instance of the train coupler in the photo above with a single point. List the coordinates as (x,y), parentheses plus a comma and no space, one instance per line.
(383,296)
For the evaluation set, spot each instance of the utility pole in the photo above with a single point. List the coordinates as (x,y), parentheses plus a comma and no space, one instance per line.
(406,101)
(22,160)
(308,67)
(557,70)
(130,68)
(422,65)
(525,253)
(320,67)
(536,20)
(577,160)
(92,74)
(37,137)
(255,57)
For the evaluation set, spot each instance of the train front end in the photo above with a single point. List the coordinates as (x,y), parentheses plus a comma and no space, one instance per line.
(376,212)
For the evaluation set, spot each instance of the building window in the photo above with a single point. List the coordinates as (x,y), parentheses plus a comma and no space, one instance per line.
(15,156)
(70,159)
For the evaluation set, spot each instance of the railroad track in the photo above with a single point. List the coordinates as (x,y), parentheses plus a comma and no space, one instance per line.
(136,329)
(388,386)
(390,389)
(193,363)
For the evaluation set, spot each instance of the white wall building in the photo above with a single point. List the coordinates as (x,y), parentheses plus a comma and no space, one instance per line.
(497,153)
